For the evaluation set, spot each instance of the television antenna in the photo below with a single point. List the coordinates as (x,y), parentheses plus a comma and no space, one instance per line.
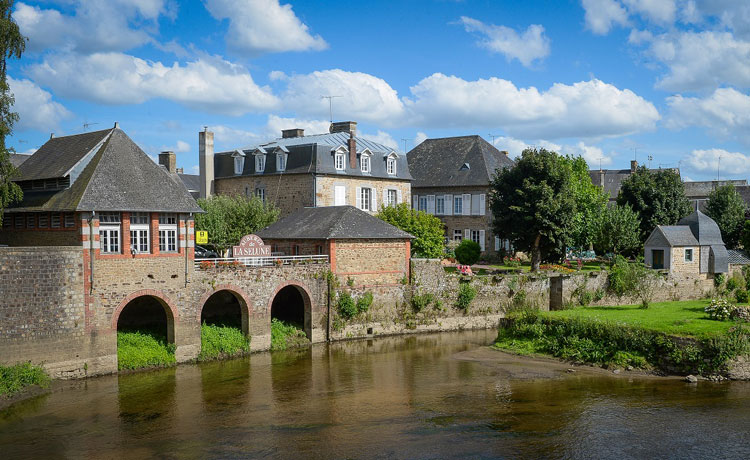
(330,105)
(405,140)
(650,159)
(493,136)
(86,126)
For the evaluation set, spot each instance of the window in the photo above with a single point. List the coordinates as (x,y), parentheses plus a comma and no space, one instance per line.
(364,161)
(109,232)
(365,198)
(688,255)
(239,164)
(261,193)
(339,195)
(167,232)
(475,205)
(319,250)
(30,221)
(70,220)
(475,236)
(55,220)
(139,233)
(280,161)
(260,163)
(457,235)
(391,198)
(43,220)
(440,205)
(295,250)
(340,161)
(423,203)
(19,221)
(391,166)
(458,205)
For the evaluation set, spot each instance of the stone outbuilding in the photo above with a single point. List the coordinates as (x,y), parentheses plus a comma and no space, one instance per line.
(692,247)
(360,247)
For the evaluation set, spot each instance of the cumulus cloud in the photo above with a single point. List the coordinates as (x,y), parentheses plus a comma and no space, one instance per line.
(276,124)
(381,137)
(35,107)
(263,26)
(208,84)
(179,147)
(658,11)
(725,113)
(585,109)
(602,15)
(713,160)
(527,47)
(592,154)
(114,25)
(419,138)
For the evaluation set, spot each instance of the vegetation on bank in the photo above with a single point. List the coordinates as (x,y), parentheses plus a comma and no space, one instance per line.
(139,349)
(285,335)
(222,340)
(16,378)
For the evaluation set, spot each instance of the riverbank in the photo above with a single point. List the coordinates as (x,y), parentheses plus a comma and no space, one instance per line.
(21,381)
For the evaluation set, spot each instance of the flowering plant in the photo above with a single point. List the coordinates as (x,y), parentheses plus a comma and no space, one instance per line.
(206,264)
(512,261)
(719,309)
(464,270)
(556,267)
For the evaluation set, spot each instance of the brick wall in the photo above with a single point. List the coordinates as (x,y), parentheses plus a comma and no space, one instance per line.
(680,266)
(325,186)
(371,262)
(288,192)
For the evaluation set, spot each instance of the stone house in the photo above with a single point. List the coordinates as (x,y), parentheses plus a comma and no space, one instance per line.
(359,246)
(693,247)
(452,179)
(295,171)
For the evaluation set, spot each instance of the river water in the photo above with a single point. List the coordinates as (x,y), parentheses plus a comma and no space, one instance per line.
(427,396)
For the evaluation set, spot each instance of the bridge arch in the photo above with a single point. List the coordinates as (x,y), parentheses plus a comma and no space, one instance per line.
(146,308)
(291,301)
(226,303)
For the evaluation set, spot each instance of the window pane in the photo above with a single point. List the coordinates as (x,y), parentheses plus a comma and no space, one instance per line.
(70,220)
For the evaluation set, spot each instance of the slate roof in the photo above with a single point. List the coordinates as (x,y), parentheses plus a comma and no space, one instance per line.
(331,222)
(16,159)
(703,227)
(118,176)
(678,235)
(701,189)
(737,257)
(192,183)
(610,179)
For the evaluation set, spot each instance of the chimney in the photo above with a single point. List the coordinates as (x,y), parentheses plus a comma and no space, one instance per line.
(633,166)
(180,171)
(51,136)
(294,132)
(352,152)
(504,152)
(169,160)
(206,162)
(117,125)
(344,127)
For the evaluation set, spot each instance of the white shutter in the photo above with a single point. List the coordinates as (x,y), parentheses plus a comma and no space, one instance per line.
(481,239)
(482,204)
(385,197)
(497,243)
(466,204)
(339,192)
(467,234)
(374,203)
(399,198)
(415,202)
(431,204)
(359,197)
(448,205)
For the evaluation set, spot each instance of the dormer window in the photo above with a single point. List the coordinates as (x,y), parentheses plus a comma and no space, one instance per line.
(281,161)
(391,164)
(239,164)
(340,161)
(260,163)
(364,162)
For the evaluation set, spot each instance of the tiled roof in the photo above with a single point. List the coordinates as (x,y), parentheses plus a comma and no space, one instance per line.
(16,159)
(703,227)
(678,235)
(57,157)
(701,189)
(737,257)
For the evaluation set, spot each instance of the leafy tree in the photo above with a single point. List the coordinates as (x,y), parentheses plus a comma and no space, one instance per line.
(426,228)
(745,237)
(533,204)
(468,252)
(228,218)
(591,203)
(12,44)
(618,231)
(657,196)
(727,208)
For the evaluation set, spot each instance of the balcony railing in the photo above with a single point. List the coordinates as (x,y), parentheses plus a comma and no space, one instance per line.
(273,261)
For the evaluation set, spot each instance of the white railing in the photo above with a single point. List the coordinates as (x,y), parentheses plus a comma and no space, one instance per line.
(273,261)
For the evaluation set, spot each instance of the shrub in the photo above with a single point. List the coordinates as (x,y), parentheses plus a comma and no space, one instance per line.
(15,378)
(467,253)
(285,335)
(732,284)
(450,249)
(427,229)
(719,309)
(634,279)
(346,306)
(741,295)
(219,340)
(138,349)
(420,302)
(364,302)
(466,293)
(512,261)
(718,280)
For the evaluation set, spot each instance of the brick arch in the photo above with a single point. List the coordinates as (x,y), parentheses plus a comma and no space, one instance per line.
(306,299)
(169,309)
(246,305)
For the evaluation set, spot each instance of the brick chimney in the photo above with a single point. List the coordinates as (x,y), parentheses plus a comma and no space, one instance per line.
(352,151)
(294,132)
(344,127)
(206,162)
(504,152)
(633,166)
(169,160)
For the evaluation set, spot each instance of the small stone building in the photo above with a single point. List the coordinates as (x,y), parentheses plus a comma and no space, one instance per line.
(360,247)
(692,247)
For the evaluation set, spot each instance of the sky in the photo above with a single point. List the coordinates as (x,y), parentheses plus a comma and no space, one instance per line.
(666,82)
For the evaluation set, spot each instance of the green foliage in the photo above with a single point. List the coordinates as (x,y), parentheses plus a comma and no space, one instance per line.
(732,284)
(426,228)
(719,280)
(138,349)
(727,208)
(364,302)
(285,335)
(17,377)
(745,237)
(533,205)
(719,309)
(420,302)
(219,340)
(657,196)
(741,295)
(467,253)
(346,306)
(634,279)
(591,204)
(617,231)
(466,293)
(228,218)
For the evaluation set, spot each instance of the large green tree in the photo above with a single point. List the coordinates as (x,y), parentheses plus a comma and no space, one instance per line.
(618,231)
(12,44)
(427,229)
(591,203)
(228,218)
(533,204)
(727,208)
(657,196)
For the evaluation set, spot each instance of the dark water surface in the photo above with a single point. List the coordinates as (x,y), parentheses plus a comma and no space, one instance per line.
(427,396)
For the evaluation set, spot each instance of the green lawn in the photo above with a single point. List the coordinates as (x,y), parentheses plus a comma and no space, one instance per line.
(684,318)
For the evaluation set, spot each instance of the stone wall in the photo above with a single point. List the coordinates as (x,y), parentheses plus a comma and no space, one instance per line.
(371,262)
(325,189)
(289,192)
(680,266)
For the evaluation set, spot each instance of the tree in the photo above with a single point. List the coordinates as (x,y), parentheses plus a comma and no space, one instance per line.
(618,231)
(591,203)
(228,218)
(12,45)
(657,196)
(467,253)
(727,208)
(533,204)
(426,228)
(745,238)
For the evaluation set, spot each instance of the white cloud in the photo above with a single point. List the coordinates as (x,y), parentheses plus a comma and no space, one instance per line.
(179,147)
(526,47)
(114,25)
(602,15)
(262,26)
(276,124)
(362,96)
(590,153)
(35,107)
(209,84)
(381,137)
(513,146)
(419,138)
(585,109)
(725,113)
(658,11)
(713,160)
(227,137)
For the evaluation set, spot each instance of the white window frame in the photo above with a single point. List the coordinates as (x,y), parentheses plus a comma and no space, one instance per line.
(365,198)
(110,232)
(423,203)
(458,235)
(239,164)
(391,197)
(140,232)
(260,163)
(260,192)
(440,205)
(168,241)
(692,255)
(55,221)
(475,236)
(339,161)
(475,205)
(458,205)
(281,161)
(364,163)
(390,165)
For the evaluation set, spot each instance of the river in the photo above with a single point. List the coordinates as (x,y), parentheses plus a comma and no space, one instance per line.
(424,396)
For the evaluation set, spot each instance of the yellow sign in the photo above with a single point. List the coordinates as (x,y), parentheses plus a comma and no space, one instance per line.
(201,237)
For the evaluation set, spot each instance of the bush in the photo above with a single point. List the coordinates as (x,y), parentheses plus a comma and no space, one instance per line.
(364,302)
(346,306)
(719,309)
(466,293)
(426,228)
(634,279)
(222,341)
(284,335)
(15,378)
(732,284)
(420,302)
(718,280)
(138,349)
(741,295)
(467,253)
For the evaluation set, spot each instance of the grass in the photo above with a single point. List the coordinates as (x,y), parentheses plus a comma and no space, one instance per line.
(139,349)
(16,378)
(285,335)
(221,340)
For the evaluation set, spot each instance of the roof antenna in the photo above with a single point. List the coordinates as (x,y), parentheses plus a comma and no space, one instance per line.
(493,136)
(404,139)
(330,105)
(86,126)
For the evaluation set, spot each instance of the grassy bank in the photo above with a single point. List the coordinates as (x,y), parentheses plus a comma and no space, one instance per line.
(139,349)
(221,340)
(285,335)
(606,341)
(14,379)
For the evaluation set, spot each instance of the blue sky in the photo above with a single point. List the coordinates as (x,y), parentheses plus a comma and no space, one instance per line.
(606,79)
